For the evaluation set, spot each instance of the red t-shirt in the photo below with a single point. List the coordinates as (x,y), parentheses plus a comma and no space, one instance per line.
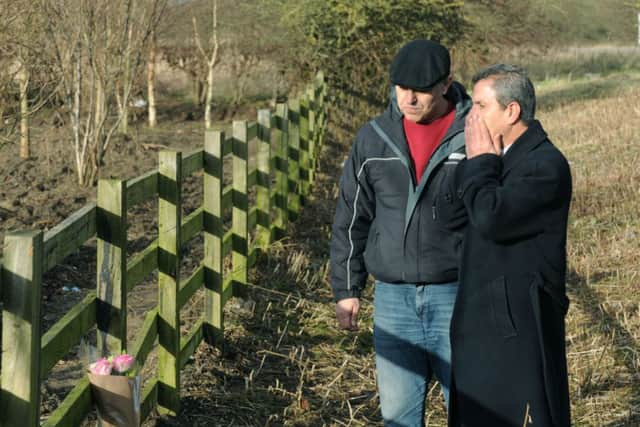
(424,138)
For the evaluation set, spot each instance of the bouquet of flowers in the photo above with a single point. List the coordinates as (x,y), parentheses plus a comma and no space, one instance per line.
(116,391)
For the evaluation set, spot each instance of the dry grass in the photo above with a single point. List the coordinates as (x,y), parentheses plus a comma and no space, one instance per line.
(599,137)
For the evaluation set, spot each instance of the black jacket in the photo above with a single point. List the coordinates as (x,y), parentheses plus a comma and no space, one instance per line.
(386,224)
(508,330)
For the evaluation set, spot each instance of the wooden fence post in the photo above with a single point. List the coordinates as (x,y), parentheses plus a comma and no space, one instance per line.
(240,213)
(305,148)
(281,166)
(313,148)
(111,266)
(22,282)
(263,180)
(294,160)
(169,230)
(213,236)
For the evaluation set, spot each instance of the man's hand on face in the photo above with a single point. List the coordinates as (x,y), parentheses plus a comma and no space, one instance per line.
(347,313)
(477,138)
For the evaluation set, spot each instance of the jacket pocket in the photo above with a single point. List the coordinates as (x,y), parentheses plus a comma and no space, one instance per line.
(500,308)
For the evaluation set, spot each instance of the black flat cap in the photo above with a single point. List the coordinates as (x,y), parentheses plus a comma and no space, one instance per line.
(420,64)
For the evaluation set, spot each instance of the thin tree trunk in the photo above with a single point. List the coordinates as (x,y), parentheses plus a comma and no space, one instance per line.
(151,82)
(207,107)
(25,140)
(75,119)
(126,88)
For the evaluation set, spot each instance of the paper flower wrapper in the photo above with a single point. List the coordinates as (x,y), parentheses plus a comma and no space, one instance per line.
(117,398)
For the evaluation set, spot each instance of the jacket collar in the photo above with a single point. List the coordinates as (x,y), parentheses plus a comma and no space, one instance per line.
(531,138)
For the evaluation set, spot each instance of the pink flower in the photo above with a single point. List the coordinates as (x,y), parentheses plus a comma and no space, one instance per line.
(101,367)
(123,363)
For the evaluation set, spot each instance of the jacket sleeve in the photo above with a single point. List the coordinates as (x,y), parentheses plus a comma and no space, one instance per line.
(519,207)
(354,214)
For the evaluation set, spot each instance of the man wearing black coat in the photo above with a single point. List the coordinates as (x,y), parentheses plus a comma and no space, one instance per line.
(507,332)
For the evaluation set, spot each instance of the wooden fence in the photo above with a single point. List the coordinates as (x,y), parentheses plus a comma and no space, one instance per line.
(287,144)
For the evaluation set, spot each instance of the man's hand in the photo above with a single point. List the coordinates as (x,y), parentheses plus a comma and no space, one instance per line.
(477,138)
(347,313)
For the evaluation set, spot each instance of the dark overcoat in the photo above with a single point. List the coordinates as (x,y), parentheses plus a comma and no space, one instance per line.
(508,332)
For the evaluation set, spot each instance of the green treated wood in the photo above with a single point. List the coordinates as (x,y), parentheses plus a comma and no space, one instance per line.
(213,236)
(142,264)
(227,197)
(191,163)
(240,212)
(111,224)
(190,343)
(252,130)
(191,226)
(263,181)
(69,235)
(74,408)
(22,282)
(304,149)
(227,146)
(227,291)
(190,286)
(252,220)
(281,167)
(252,177)
(227,243)
(169,224)
(146,337)
(67,332)
(294,187)
(142,188)
(149,399)
(313,135)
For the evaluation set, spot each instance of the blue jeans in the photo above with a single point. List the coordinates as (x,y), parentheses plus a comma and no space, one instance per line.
(411,339)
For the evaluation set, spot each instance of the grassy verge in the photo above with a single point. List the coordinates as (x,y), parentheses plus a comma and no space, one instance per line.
(599,137)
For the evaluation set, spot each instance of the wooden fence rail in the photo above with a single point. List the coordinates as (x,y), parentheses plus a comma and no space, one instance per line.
(261,199)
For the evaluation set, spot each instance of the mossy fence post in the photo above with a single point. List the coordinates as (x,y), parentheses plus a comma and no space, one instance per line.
(240,210)
(111,229)
(169,239)
(22,282)
(213,237)
(281,166)
(263,181)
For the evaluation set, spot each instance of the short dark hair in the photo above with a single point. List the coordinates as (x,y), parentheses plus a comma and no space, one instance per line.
(511,84)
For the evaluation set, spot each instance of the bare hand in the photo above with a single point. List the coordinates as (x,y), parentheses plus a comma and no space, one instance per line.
(477,138)
(347,313)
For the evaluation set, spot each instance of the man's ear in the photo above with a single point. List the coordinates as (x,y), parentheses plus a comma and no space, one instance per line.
(446,84)
(513,113)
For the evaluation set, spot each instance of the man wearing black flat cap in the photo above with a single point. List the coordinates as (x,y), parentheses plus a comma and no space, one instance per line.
(396,183)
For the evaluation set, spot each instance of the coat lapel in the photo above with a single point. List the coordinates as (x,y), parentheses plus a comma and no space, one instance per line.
(530,139)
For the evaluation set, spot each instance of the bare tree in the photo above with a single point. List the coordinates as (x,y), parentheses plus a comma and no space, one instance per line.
(24,82)
(97,47)
(210,57)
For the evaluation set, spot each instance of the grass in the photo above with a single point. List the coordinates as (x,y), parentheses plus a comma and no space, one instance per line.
(599,137)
